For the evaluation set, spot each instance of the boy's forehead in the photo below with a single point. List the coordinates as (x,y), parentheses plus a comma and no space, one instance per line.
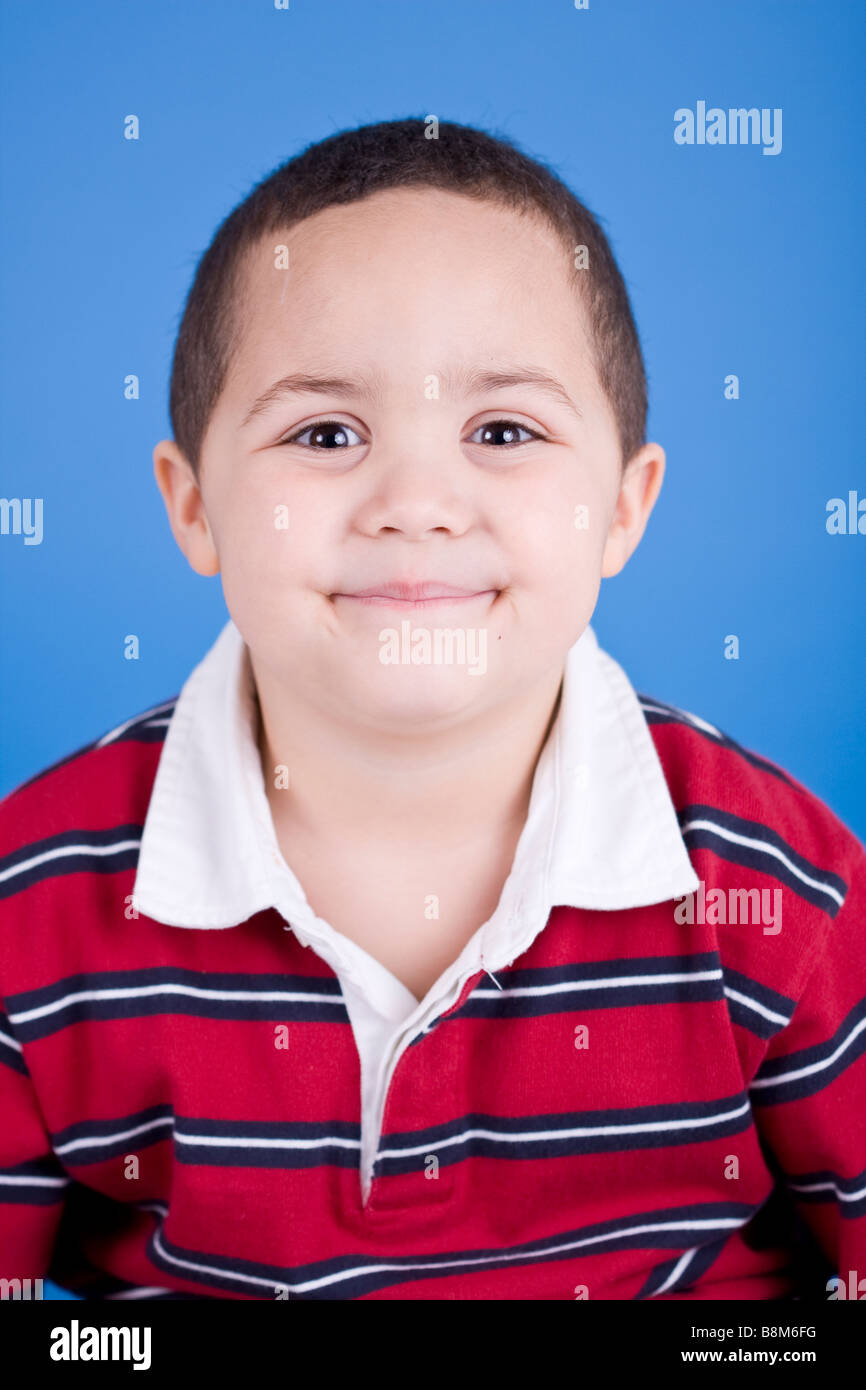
(405,271)
(419,242)
(419,219)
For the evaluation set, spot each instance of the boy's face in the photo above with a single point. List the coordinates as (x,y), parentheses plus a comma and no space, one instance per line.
(421,449)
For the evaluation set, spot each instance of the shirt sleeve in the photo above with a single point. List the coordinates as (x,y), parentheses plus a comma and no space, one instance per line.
(33,1184)
(809,1094)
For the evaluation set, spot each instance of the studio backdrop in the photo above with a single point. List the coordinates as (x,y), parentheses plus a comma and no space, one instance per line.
(128,132)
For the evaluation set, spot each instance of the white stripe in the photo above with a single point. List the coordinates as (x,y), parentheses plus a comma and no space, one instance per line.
(10,1042)
(685,1259)
(521,1256)
(144,991)
(142,1292)
(614,982)
(67,850)
(815,1066)
(581,1132)
(301,996)
(211,1269)
(103,1139)
(828,1187)
(758,1008)
(732,835)
(161,1207)
(684,714)
(250,1143)
(212,1141)
(34,1182)
(128,723)
(225,1141)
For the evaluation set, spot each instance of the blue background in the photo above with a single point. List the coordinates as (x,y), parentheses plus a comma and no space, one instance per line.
(735,261)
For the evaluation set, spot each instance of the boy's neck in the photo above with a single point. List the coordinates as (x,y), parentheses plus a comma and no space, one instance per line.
(384,791)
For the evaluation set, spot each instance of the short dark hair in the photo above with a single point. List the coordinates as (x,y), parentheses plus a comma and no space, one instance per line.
(353,164)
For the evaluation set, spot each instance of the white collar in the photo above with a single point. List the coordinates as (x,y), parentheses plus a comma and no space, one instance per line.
(601,831)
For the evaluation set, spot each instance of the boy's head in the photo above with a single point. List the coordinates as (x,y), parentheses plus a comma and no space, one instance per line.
(463,403)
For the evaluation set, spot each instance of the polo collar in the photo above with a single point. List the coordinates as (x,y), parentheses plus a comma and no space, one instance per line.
(601,830)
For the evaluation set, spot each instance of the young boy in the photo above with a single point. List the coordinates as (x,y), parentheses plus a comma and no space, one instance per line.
(535,988)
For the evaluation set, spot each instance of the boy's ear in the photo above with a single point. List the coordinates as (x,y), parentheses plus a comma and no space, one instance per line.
(639,488)
(185,507)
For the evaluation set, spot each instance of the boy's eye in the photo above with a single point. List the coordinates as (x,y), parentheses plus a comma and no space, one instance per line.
(335,434)
(325,434)
(503,433)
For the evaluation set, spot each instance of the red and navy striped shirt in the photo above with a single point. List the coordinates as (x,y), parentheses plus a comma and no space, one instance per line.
(665,1101)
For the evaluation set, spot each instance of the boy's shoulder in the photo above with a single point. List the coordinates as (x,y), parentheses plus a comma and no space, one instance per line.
(707,770)
(87,802)
(753,822)
(721,789)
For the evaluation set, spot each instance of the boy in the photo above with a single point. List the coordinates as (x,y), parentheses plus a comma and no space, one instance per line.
(534,988)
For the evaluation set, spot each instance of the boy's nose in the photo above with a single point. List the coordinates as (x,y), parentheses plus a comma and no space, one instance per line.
(416,496)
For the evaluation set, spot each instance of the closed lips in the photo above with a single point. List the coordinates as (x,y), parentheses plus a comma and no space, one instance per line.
(428,591)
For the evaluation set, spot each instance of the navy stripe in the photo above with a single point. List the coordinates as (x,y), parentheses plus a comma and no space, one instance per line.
(749,1003)
(63,1002)
(479,1135)
(564,989)
(309,1144)
(696,1264)
(669,714)
(762,854)
(781,1079)
(40,1182)
(354,1276)
(848,1194)
(150,1126)
(71,852)
(585,985)
(316,1142)
(150,730)
(10,1047)
(332,1143)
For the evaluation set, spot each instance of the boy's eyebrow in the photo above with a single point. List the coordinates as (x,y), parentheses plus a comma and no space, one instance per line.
(471,380)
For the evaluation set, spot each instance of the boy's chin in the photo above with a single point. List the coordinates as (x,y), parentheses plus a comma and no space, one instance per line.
(418,698)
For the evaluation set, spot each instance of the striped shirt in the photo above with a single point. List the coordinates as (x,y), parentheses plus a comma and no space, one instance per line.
(213,860)
(644,1076)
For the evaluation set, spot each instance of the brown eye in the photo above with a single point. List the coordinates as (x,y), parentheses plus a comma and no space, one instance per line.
(502,433)
(325,434)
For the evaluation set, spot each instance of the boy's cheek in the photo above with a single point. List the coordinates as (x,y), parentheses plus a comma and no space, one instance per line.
(265,532)
(563,551)
(569,588)
(272,576)
(566,517)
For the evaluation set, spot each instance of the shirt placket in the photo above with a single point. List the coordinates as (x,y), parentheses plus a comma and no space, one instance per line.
(414,1160)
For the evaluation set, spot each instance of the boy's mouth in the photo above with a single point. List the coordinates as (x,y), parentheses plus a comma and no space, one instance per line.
(398,594)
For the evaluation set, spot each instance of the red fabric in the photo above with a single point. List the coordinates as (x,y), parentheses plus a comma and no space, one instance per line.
(573,1208)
